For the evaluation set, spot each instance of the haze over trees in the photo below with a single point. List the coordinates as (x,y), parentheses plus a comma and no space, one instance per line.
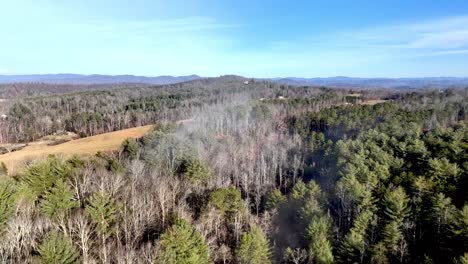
(242,171)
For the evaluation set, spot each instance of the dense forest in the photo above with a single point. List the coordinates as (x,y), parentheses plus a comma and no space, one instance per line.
(242,171)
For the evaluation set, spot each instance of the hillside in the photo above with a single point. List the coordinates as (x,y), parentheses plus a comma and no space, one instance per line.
(94,79)
(83,146)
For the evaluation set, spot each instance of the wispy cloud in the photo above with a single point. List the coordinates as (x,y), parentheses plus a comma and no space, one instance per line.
(185,25)
(439,34)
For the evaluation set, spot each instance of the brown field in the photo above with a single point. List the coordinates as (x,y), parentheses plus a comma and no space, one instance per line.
(83,146)
(373,102)
(354,95)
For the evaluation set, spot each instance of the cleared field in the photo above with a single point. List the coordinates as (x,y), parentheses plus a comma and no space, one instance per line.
(373,102)
(83,146)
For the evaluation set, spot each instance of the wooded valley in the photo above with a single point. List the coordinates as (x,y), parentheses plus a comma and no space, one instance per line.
(239,170)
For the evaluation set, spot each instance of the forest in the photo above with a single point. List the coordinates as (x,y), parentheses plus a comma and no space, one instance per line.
(239,170)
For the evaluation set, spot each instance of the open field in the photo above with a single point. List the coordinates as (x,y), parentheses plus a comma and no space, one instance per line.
(373,102)
(83,146)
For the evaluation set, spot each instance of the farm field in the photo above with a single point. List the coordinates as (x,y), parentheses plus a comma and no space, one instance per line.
(83,146)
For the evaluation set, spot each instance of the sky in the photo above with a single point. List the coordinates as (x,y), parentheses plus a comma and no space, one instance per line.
(310,38)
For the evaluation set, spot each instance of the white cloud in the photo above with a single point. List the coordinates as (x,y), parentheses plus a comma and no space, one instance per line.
(445,33)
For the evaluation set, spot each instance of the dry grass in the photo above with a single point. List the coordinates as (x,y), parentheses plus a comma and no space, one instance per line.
(373,102)
(84,146)
(354,95)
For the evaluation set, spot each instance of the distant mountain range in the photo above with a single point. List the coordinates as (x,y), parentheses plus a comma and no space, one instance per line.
(339,82)
(94,79)
(348,82)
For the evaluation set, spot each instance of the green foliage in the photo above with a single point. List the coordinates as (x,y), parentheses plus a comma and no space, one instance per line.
(58,201)
(76,162)
(130,148)
(254,248)
(227,201)
(444,174)
(442,211)
(195,170)
(462,259)
(273,199)
(42,176)
(392,235)
(299,190)
(102,210)
(379,254)
(182,244)
(310,204)
(354,245)
(58,249)
(320,246)
(460,224)
(7,201)
(396,205)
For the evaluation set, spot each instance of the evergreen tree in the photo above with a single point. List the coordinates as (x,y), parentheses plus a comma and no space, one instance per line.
(58,249)
(379,254)
(460,224)
(254,248)
(273,199)
(444,174)
(320,247)
(130,148)
(42,176)
(462,259)
(7,202)
(227,201)
(102,210)
(392,235)
(353,248)
(58,201)
(195,170)
(396,205)
(442,212)
(182,244)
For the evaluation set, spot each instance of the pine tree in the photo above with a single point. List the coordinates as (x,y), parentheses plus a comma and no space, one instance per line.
(444,174)
(130,148)
(462,259)
(182,244)
(396,205)
(273,199)
(459,225)
(7,202)
(102,210)
(58,249)
(353,248)
(58,201)
(442,212)
(379,254)
(195,170)
(227,201)
(42,176)
(392,235)
(254,248)
(320,247)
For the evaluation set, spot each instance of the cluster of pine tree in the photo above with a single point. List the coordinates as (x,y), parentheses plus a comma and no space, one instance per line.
(256,181)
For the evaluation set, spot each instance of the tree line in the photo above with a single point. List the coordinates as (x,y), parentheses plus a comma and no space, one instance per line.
(250,177)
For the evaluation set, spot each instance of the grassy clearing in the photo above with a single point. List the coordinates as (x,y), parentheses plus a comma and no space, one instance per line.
(373,102)
(83,146)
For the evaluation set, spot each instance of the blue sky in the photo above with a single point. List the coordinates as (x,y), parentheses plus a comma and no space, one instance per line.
(314,38)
